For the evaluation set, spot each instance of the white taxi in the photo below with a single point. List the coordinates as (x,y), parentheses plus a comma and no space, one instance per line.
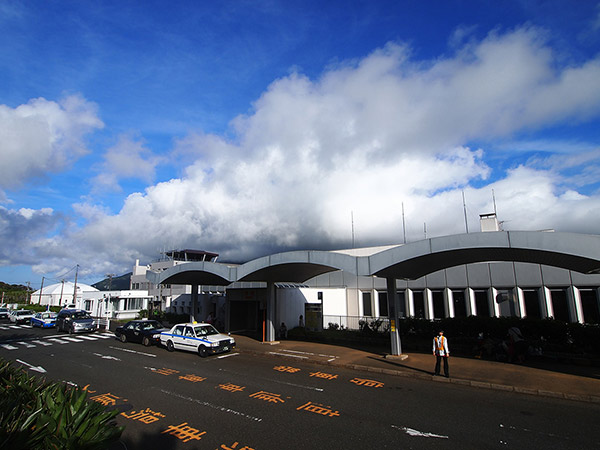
(197,337)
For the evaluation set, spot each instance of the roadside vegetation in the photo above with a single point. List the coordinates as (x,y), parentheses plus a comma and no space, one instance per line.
(13,293)
(36,415)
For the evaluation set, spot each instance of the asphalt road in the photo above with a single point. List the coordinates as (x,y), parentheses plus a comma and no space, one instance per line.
(240,401)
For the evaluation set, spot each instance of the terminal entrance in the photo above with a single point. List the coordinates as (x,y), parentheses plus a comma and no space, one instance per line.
(244,317)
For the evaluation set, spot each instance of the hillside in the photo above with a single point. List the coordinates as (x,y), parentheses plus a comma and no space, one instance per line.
(117,283)
(13,293)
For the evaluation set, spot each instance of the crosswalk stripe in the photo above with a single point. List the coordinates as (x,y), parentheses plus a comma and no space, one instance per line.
(26,344)
(9,347)
(105,336)
(45,344)
(58,341)
(14,327)
(89,338)
(72,339)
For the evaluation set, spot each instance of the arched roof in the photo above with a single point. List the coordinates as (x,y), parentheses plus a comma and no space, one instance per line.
(67,288)
(208,273)
(295,267)
(577,252)
(571,251)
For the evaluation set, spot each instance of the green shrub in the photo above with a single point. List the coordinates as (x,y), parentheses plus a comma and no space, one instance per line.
(38,415)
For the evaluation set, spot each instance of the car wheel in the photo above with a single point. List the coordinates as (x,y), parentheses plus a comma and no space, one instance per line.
(123,338)
(170,346)
(146,341)
(202,351)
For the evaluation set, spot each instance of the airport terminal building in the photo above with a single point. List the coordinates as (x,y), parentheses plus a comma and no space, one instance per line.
(496,273)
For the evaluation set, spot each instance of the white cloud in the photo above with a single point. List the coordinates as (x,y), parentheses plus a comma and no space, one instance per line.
(364,138)
(129,158)
(43,137)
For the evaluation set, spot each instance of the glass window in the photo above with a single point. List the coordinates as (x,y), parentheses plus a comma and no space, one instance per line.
(205,330)
(460,305)
(532,304)
(383,304)
(482,304)
(439,311)
(589,304)
(366,301)
(559,304)
(419,302)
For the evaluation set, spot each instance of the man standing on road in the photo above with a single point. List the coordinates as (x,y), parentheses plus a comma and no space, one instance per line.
(440,351)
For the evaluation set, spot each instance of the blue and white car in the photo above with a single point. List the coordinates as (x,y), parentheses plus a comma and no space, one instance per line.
(45,319)
(202,338)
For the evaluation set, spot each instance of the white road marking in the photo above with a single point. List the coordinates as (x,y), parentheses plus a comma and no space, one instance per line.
(132,351)
(26,344)
(296,351)
(36,368)
(58,341)
(106,356)
(312,388)
(417,433)
(88,338)
(72,339)
(291,356)
(105,336)
(9,347)
(227,356)
(45,344)
(210,405)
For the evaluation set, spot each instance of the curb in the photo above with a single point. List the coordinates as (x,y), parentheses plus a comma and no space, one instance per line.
(457,381)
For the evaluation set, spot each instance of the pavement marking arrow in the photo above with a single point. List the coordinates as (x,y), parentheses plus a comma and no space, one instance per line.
(106,356)
(36,368)
(417,433)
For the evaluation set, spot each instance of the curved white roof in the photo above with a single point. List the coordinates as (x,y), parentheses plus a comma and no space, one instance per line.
(55,289)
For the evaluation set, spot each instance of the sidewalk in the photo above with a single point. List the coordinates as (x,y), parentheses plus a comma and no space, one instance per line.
(543,378)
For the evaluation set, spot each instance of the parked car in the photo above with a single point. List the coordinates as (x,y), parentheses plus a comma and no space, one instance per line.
(21,316)
(4,313)
(146,332)
(75,321)
(196,337)
(44,319)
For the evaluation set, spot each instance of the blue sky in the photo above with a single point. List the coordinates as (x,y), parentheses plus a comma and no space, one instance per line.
(247,128)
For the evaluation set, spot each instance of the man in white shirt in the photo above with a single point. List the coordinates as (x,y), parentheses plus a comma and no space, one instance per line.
(441,351)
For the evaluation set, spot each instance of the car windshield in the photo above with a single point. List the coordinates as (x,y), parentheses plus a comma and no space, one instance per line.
(151,325)
(205,330)
(23,313)
(81,315)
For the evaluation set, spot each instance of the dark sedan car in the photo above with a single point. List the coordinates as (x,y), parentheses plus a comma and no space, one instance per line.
(146,332)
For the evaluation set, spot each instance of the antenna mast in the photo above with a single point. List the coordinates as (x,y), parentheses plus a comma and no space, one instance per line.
(352,221)
(403,223)
(465,210)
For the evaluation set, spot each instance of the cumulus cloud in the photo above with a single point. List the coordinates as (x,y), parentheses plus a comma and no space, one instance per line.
(21,229)
(43,137)
(365,138)
(129,158)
